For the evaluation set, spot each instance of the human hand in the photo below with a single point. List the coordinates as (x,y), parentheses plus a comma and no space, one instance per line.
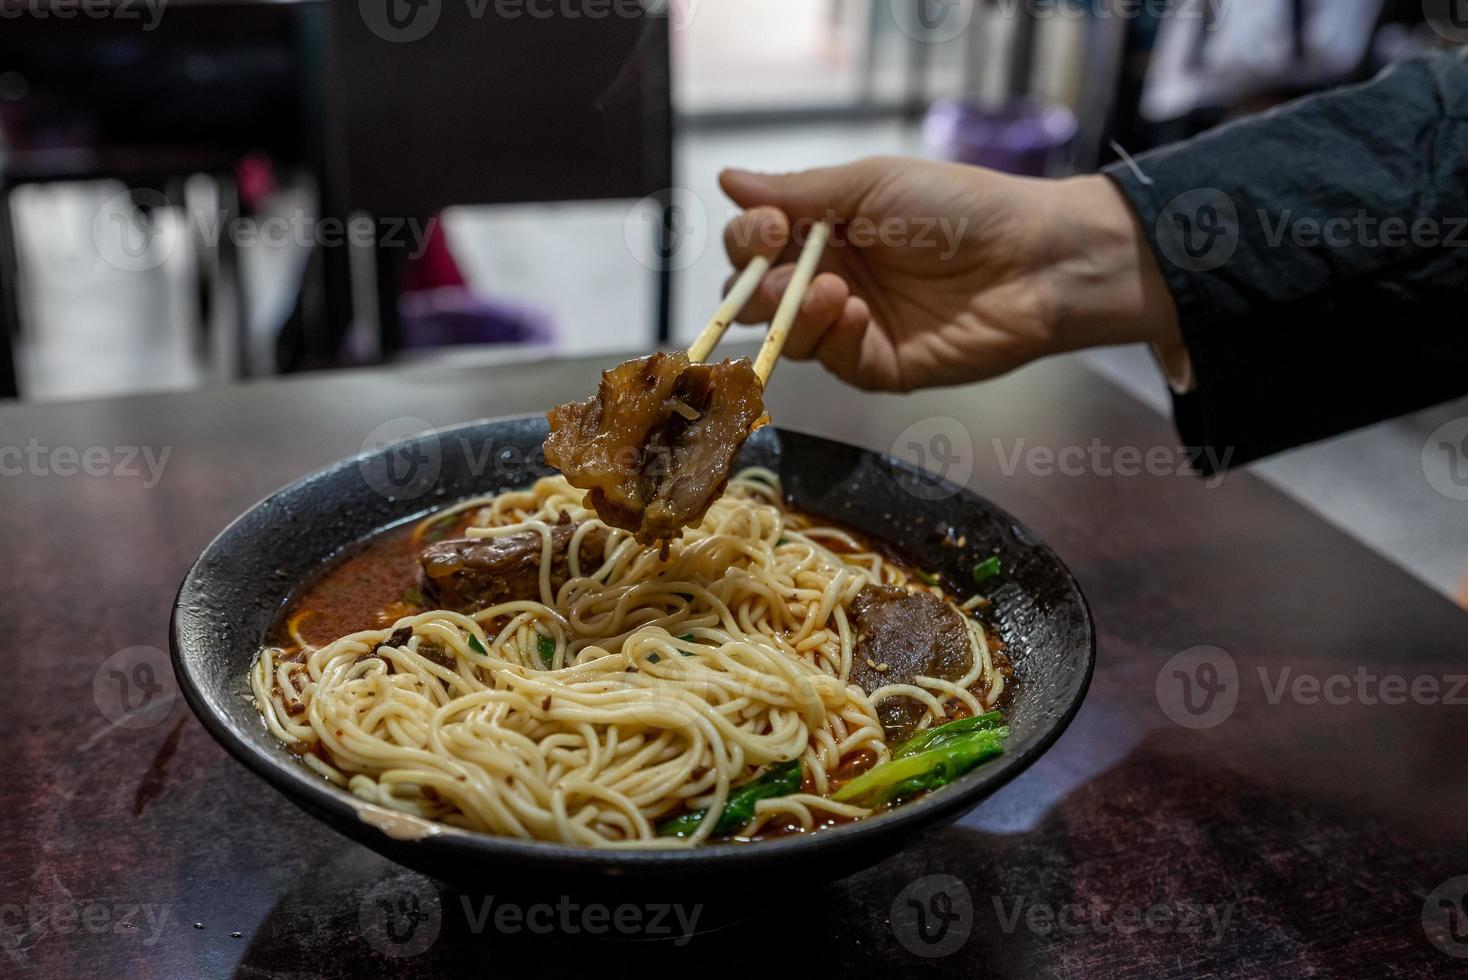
(941,274)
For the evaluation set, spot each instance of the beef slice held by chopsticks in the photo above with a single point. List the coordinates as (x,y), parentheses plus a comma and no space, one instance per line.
(654,446)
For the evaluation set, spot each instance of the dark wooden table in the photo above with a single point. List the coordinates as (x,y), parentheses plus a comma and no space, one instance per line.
(1299,835)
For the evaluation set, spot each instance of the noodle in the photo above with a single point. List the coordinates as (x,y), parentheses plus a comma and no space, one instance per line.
(669,682)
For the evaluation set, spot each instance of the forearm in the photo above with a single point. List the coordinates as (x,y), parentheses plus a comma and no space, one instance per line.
(1105,282)
(1318,258)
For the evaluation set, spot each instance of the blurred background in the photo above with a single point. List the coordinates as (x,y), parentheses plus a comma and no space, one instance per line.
(195,192)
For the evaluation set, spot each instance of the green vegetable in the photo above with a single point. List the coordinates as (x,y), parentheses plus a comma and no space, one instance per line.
(781,541)
(414,598)
(923,770)
(653,658)
(686,637)
(778,780)
(942,735)
(546,647)
(476,646)
(986,569)
(929,577)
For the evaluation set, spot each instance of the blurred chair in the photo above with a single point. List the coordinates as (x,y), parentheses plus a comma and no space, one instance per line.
(554,104)
(149,105)
(437,104)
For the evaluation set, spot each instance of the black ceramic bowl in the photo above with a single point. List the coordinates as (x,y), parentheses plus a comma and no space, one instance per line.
(231,595)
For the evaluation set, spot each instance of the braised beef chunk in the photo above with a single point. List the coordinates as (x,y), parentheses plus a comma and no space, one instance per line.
(399,638)
(655,445)
(700,452)
(466,574)
(901,635)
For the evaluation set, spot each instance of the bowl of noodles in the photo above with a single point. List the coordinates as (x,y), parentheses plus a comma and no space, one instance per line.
(439,650)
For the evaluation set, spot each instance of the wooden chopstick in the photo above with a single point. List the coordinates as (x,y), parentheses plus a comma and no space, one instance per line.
(805,271)
(784,319)
(739,295)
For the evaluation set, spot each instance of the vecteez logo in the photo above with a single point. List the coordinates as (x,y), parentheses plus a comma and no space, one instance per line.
(1199,687)
(933,916)
(1445,917)
(134,688)
(942,449)
(932,21)
(1198,231)
(684,239)
(400,916)
(402,458)
(132,231)
(1449,18)
(1445,459)
(400,21)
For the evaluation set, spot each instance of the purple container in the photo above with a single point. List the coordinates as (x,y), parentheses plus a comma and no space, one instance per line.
(453,315)
(1019,137)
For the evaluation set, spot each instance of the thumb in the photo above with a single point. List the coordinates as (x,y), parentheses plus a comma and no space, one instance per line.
(823,193)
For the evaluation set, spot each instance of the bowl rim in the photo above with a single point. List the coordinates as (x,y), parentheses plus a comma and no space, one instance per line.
(321,799)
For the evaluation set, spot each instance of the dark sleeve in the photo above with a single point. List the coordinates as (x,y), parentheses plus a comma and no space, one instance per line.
(1319,259)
